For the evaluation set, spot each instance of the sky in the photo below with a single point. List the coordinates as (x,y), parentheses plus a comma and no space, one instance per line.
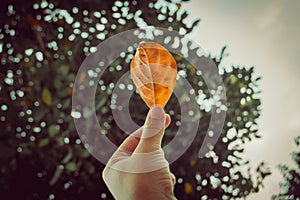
(266,35)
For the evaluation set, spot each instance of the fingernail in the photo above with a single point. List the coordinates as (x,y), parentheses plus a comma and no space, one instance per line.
(157,112)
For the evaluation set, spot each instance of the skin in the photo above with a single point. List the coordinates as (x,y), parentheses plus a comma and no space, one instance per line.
(156,182)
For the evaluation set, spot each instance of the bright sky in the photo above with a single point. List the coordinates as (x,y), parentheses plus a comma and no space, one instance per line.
(264,34)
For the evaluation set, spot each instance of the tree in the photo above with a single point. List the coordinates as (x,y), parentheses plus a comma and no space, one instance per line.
(291,182)
(42,46)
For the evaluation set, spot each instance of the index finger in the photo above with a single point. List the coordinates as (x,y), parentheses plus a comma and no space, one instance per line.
(131,142)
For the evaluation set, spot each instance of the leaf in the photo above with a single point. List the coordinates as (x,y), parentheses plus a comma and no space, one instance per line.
(60,140)
(66,103)
(81,77)
(63,93)
(196,22)
(68,157)
(53,130)
(57,83)
(153,70)
(38,114)
(43,142)
(71,77)
(184,15)
(81,151)
(258,78)
(188,188)
(183,97)
(104,110)
(57,173)
(72,167)
(63,70)
(193,162)
(297,140)
(100,102)
(87,112)
(46,97)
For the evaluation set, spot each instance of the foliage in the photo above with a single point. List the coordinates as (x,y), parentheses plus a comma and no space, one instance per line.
(42,46)
(291,183)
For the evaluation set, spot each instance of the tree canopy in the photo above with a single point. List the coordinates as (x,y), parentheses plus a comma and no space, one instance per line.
(291,177)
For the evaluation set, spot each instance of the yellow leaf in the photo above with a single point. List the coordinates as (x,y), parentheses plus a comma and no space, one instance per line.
(46,97)
(241,85)
(193,163)
(233,79)
(178,57)
(193,69)
(183,98)
(229,94)
(82,76)
(188,188)
(246,104)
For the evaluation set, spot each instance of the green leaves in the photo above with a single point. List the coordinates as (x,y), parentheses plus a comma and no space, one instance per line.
(63,70)
(72,167)
(297,140)
(101,102)
(57,83)
(69,166)
(291,176)
(65,92)
(59,170)
(81,152)
(39,114)
(68,157)
(43,142)
(53,130)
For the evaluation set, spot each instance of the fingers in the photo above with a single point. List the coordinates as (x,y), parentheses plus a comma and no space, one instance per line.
(153,130)
(143,145)
(130,143)
(173,178)
(168,120)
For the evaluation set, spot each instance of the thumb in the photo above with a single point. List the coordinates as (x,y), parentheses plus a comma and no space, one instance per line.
(153,131)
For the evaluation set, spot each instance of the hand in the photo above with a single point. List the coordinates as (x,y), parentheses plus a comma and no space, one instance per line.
(138,169)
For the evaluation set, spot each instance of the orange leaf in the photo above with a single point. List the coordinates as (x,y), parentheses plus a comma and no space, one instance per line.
(25,102)
(60,21)
(153,70)
(82,76)
(193,163)
(188,188)
(70,89)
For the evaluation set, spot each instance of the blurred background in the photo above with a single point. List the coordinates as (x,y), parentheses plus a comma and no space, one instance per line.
(265,35)
(254,45)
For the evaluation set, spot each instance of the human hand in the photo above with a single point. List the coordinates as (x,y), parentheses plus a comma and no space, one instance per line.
(138,168)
